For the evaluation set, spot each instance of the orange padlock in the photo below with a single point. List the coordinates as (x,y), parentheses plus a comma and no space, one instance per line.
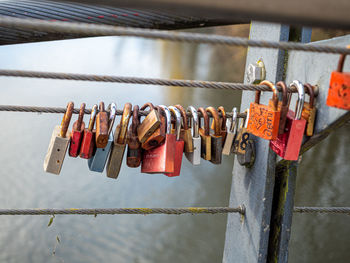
(264,120)
(339,87)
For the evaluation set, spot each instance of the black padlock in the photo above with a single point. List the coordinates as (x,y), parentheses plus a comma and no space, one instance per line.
(247,159)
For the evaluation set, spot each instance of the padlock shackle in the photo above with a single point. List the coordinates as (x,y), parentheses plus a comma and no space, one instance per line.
(223,113)
(184,116)
(206,121)
(101,107)
(177,114)
(310,90)
(275,93)
(231,124)
(66,119)
(216,119)
(284,92)
(112,114)
(147,105)
(301,98)
(124,122)
(257,97)
(341,63)
(81,116)
(135,120)
(194,121)
(92,117)
(168,118)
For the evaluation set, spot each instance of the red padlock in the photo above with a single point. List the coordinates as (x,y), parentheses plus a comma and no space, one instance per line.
(179,143)
(288,144)
(161,158)
(88,143)
(339,87)
(77,133)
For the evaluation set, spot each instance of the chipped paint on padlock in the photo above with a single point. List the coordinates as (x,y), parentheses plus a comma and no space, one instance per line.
(119,143)
(161,158)
(59,143)
(88,143)
(216,138)
(339,87)
(149,125)
(134,151)
(77,133)
(288,144)
(231,127)
(309,110)
(98,161)
(102,127)
(185,134)
(264,120)
(205,135)
(195,156)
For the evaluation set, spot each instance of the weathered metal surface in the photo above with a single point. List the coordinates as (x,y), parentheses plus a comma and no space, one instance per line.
(247,239)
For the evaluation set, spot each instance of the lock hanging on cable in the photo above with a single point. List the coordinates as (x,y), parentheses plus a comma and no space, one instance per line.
(88,143)
(185,133)
(195,156)
(134,152)
(231,127)
(216,137)
(77,133)
(309,110)
(205,135)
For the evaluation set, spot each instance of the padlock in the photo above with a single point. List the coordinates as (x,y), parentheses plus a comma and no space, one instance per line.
(88,143)
(264,120)
(309,111)
(195,156)
(339,87)
(231,127)
(205,135)
(118,147)
(156,138)
(283,106)
(102,127)
(98,161)
(134,151)
(161,159)
(248,158)
(216,138)
(242,137)
(149,125)
(288,144)
(223,130)
(59,144)
(185,134)
(77,133)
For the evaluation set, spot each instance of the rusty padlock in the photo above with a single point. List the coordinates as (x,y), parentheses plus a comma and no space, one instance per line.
(205,135)
(264,120)
(309,111)
(77,133)
(156,138)
(161,159)
(58,144)
(134,151)
(185,134)
(288,144)
(149,125)
(101,127)
(231,127)
(283,106)
(88,143)
(223,120)
(179,143)
(216,137)
(339,87)
(195,156)
(118,147)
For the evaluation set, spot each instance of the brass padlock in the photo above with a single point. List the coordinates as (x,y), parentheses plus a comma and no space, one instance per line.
(205,135)
(231,127)
(216,138)
(185,133)
(149,125)
(101,127)
(223,118)
(119,143)
(59,144)
(134,151)
(309,111)
(195,156)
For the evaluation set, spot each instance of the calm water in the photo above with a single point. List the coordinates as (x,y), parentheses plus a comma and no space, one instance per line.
(323,180)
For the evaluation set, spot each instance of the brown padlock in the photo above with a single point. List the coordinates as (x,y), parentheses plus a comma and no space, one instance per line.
(185,134)
(149,125)
(134,146)
(283,106)
(216,138)
(205,135)
(101,127)
(157,138)
(223,130)
(309,110)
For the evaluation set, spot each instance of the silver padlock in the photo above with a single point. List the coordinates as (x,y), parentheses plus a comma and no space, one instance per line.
(59,144)
(98,161)
(195,156)
(231,127)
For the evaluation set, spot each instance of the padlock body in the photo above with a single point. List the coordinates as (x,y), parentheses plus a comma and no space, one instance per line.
(155,140)
(195,156)
(75,140)
(116,156)
(133,157)
(263,121)
(248,158)
(309,114)
(98,161)
(160,159)
(186,136)
(288,144)
(101,130)
(179,149)
(205,145)
(339,90)
(88,144)
(148,126)
(216,149)
(56,152)
(228,144)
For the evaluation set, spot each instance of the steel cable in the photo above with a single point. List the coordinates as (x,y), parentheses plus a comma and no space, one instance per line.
(333,210)
(89,30)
